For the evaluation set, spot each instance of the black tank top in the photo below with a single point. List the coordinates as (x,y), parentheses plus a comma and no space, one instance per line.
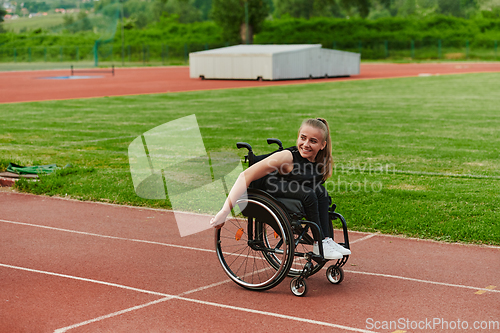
(304,171)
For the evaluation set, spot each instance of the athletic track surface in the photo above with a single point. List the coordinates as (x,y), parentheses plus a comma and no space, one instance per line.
(71,266)
(29,86)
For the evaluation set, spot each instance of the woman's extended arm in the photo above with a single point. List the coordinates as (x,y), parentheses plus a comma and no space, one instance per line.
(282,161)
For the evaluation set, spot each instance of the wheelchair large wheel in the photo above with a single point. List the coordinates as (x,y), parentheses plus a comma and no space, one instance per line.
(256,251)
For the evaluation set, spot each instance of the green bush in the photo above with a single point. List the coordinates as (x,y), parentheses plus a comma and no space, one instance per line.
(169,31)
(327,30)
(166,31)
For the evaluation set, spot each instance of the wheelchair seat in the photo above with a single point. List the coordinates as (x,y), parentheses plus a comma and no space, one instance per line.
(293,206)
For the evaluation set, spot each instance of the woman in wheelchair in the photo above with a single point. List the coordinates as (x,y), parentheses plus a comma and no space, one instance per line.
(297,173)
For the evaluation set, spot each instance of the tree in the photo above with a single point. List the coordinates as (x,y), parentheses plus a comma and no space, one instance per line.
(2,14)
(185,9)
(469,7)
(314,8)
(204,6)
(140,13)
(69,20)
(362,6)
(295,8)
(458,8)
(450,7)
(407,8)
(84,23)
(230,16)
(36,7)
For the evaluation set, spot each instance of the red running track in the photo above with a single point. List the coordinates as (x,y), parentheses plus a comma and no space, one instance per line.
(31,86)
(70,266)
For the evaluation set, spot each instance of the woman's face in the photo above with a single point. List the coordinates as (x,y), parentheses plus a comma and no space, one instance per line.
(310,141)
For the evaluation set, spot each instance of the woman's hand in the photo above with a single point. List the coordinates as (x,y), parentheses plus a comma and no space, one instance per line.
(218,220)
(279,161)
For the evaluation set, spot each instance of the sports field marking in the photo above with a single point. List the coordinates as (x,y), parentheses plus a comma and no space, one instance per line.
(122,238)
(489,288)
(213,251)
(111,315)
(109,284)
(410,172)
(423,281)
(445,174)
(105,236)
(99,140)
(138,307)
(74,77)
(168,297)
(362,238)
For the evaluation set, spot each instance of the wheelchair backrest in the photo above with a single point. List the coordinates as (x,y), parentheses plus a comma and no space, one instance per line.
(252,158)
(292,206)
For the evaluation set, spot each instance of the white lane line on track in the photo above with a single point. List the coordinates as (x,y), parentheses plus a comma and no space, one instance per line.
(168,297)
(138,307)
(114,314)
(363,238)
(109,284)
(105,236)
(213,251)
(121,238)
(422,281)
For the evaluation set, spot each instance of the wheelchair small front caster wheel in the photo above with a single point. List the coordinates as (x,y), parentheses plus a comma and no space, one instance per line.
(298,286)
(335,274)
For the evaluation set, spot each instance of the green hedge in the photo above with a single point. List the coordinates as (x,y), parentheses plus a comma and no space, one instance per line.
(171,32)
(327,30)
(31,39)
(166,32)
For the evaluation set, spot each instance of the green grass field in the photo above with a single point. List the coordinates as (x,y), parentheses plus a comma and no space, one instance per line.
(414,156)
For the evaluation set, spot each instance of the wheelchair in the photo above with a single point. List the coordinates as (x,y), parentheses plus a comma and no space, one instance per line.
(271,239)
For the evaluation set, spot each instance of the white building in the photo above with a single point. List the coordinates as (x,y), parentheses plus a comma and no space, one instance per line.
(272,62)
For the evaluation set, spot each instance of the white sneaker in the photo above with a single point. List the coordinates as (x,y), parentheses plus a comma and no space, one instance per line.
(337,247)
(328,251)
